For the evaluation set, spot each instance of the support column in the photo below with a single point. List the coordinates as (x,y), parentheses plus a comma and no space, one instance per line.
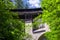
(28,30)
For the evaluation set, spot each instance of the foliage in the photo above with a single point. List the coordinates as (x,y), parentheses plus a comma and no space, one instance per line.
(51,15)
(19,4)
(37,21)
(11,28)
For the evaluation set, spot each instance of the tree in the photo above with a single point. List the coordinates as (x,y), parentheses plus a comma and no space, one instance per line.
(51,15)
(19,4)
(11,28)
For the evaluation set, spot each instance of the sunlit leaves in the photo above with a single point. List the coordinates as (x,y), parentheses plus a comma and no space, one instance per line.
(37,21)
(51,15)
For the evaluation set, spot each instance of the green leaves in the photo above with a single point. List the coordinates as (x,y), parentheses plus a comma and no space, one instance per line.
(51,15)
(11,28)
(37,21)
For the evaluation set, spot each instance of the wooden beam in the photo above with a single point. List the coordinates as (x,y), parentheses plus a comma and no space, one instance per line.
(27,11)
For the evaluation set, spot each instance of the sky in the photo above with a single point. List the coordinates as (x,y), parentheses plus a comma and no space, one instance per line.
(30,3)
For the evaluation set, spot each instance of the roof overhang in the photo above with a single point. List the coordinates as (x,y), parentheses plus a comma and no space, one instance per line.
(27,11)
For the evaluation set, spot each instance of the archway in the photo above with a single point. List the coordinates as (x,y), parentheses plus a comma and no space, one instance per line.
(42,37)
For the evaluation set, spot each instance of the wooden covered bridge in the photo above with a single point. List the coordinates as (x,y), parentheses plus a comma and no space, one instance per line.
(28,15)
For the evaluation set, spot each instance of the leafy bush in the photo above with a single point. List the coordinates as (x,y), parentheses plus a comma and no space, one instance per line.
(51,15)
(11,28)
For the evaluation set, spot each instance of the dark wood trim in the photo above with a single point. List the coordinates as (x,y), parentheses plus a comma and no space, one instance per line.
(21,10)
(27,11)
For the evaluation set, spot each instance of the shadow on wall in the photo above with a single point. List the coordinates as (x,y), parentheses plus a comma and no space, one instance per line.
(42,37)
